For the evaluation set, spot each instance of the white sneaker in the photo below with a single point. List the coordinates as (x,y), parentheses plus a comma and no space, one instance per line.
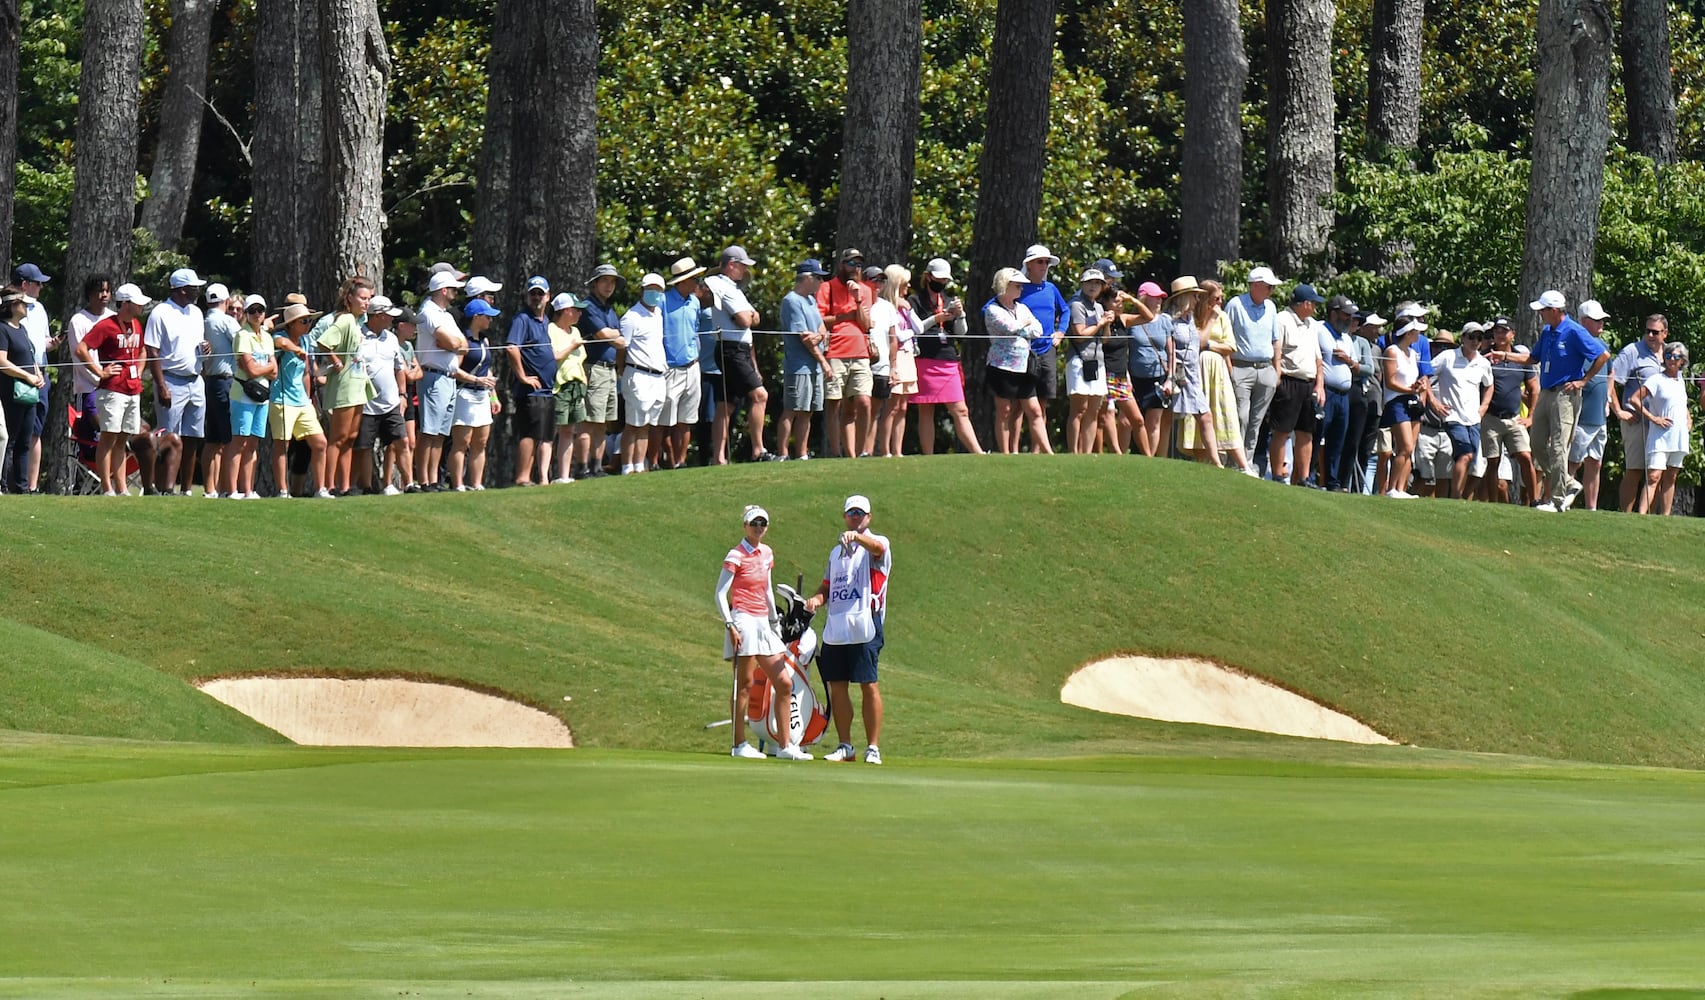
(1548,507)
(210,494)
(842,753)
(1252,472)
(561,481)
(392,491)
(792,753)
(251,495)
(872,755)
(110,493)
(323,495)
(1568,497)
(746,751)
(1401,495)
(461,489)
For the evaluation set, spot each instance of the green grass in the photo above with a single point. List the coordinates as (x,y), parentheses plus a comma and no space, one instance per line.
(1440,624)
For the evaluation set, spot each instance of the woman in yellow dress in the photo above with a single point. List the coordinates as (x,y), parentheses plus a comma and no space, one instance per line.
(1217,345)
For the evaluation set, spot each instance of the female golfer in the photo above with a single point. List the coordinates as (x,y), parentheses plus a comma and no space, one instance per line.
(750,638)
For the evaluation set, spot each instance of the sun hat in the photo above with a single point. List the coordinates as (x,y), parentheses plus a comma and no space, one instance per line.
(442,280)
(1263,275)
(1184,285)
(1552,299)
(1592,309)
(752,513)
(810,265)
(296,311)
(30,272)
(185,277)
(380,304)
(479,284)
(1150,290)
(1443,336)
(939,268)
(128,292)
(1039,252)
(295,299)
(567,300)
(606,271)
(684,270)
(479,307)
(216,293)
(858,501)
(737,254)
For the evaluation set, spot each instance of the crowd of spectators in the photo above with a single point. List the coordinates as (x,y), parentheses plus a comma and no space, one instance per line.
(368,396)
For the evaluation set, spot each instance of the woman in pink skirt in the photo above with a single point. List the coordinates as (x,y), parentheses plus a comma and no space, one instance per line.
(940,316)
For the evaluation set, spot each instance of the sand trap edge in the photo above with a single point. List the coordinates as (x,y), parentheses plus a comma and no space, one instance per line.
(341,710)
(1182,689)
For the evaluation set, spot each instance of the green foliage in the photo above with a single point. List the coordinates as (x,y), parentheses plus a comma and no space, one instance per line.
(49,50)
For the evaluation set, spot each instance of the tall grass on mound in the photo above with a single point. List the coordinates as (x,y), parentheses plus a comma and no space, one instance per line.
(1439,623)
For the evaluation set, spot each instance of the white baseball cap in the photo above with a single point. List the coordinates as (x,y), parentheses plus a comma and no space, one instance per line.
(939,268)
(1552,299)
(382,304)
(1592,309)
(185,277)
(1412,310)
(479,284)
(753,512)
(253,301)
(442,280)
(1039,252)
(858,501)
(652,280)
(217,293)
(128,292)
(1263,275)
(1373,319)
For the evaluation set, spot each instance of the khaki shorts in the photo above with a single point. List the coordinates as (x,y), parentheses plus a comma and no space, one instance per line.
(1432,453)
(851,377)
(1503,435)
(1383,443)
(570,403)
(1634,445)
(292,423)
(681,405)
(601,394)
(117,412)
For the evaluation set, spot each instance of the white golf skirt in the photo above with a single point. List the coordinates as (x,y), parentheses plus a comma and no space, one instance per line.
(756,637)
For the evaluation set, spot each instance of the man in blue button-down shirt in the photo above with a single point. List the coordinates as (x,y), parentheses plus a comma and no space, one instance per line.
(1254,318)
(1568,358)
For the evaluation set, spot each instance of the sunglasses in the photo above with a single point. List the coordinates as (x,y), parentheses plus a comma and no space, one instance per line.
(855,512)
(537,291)
(759,522)
(1656,331)
(255,309)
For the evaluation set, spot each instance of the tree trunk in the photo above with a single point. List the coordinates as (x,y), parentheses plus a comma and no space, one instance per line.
(1210,190)
(535,210)
(1009,171)
(1300,119)
(167,204)
(1646,79)
(879,132)
(289,172)
(1394,104)
(11,29)
(356,70)
(103,199)
(1571,128)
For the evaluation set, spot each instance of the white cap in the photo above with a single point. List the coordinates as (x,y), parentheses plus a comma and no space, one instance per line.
(185,277)
(442,280)
(381,304)
(1591,309)
(1263,275)
(1552,299)
(252,301)
(567,300)
(652,281)
(753,512)
(1039,252)
(857,501)
(939,268)
(479,284)
(1091,274)
(1413,325)
(1374,319)
(128,292)
(217,292)
(1412,310)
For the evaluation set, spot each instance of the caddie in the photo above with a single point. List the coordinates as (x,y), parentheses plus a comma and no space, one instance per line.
(855,588)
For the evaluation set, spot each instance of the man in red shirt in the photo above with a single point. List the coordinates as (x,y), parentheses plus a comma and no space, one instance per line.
(845,302)
(112,353)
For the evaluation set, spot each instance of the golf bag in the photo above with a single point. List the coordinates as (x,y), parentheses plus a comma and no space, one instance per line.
(807,719)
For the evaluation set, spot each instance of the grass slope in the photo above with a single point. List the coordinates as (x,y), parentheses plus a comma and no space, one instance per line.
(289,872)
(1441,624)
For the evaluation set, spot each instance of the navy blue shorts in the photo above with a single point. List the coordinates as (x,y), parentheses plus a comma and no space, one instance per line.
(1464,439)
(855,664)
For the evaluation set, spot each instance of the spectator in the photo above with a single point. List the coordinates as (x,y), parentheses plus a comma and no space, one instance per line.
(735,319)
(347,389)
(481,287)
(1254,320)
(1302,386)
(97,293)
(600,328)
(21,382)
(712,398)
(533,362)
(475,404)
(685,380)
(1586,447)
(1148,367)
(845,303)
(1504,430)
(1568,358)
(902,362)
(1338,356)
(219,329)
(30,281)
(290,411)
(1634,364)
(176,341)
(254,369)
(1048,305)
(645,378)
(1184,365)
(111,354)
(1123,417)
(855,587)
(439,356)
(1213,331)
(1662,401)
(941,379)
(1464,395)
(1012,329)
(1362,438)
(1402,404)
(406,328)
(749,637)
(1086,375)
(804,366)
(572,443)
(382,422)
(1432,462)
(883,319)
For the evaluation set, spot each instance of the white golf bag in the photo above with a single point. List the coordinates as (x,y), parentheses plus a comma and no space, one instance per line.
(807,720)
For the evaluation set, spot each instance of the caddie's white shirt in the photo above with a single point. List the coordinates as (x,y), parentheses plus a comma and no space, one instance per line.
(176,333)
(381,358)
(642,328)
(35,324)
(76,330)
(858,591)
(727,300)
(433,317)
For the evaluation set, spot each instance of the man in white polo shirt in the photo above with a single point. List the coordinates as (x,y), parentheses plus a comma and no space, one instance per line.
(382,423)
(735,318)
(439,346)
(176,340)
(645,377)
(1302,386)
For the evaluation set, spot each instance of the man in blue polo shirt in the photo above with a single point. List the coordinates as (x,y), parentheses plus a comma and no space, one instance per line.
(1042,297)
(1253,319)
(533,361)
(601,328)
(1568,358)
(683,382)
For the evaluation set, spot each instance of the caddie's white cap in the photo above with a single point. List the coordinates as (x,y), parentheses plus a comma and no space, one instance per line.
(1552,299)
(1263,275)
(858,501)
(217,293)
(753,512)
(442,280)
(128,292)
(1591,309)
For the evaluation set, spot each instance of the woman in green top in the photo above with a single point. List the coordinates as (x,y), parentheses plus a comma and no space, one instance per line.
(347,389)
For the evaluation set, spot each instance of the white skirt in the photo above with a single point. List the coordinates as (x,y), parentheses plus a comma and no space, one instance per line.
(756,637)
(1077,385)
(473,408)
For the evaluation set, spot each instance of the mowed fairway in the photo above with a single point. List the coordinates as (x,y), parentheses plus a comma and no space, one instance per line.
(312,873)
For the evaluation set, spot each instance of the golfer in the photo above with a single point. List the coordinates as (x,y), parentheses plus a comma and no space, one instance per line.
(856,590)
(750,637)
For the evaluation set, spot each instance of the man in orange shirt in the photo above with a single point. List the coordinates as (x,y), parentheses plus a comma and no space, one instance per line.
(845,301)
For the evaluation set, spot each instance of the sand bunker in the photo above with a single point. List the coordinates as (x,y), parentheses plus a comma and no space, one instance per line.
(1206,693)
(387,712)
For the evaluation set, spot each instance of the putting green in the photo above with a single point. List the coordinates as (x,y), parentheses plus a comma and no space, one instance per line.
(185,871)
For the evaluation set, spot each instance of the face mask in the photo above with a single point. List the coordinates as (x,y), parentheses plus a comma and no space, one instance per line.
(652,297)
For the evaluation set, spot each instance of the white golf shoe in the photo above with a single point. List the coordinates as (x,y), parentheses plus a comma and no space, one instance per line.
(872,755)
(792,753)
(746,751)
(844,752)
